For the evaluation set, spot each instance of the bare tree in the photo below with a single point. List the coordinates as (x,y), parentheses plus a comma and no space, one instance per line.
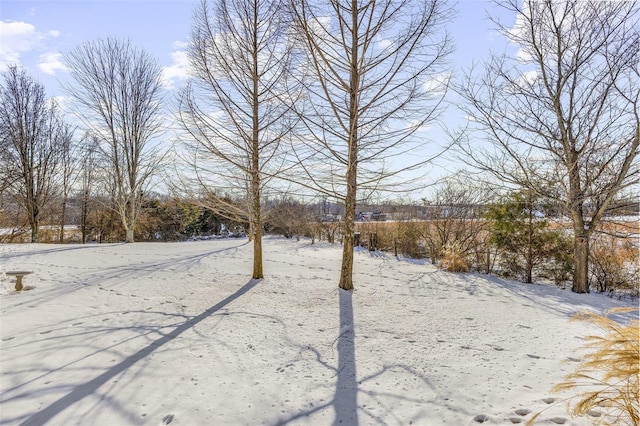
(118,91)
(67,172)
(562,118)
(31,130)
(233,108)
(374,78)
(87,176)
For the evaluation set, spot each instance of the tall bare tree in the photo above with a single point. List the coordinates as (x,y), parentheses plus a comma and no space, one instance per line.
(31,131)
(68,166)
(233,107)
(117,88)
(562,116)
(375,76)
(87,176)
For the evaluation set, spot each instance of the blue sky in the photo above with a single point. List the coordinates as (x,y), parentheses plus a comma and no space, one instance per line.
(34,33)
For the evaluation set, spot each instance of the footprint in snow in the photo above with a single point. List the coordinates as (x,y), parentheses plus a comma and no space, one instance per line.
(559,420)
(167,419)
(533,356)
(549,400)
(481,418)
(515,420)
(522,411)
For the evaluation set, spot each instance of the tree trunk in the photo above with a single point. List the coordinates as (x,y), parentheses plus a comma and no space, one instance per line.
(581,263)
(129,237)
(34,222)
(257,256)
(346,272)
(529,268)
(129,223)
(34,232)
(62,220)
(84,219)
(255,224)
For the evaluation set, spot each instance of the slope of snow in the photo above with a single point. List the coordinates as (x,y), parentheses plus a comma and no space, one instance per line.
(176,333)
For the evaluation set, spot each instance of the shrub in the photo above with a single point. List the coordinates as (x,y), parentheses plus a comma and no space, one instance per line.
(614,264)
(407,239)
(525,240)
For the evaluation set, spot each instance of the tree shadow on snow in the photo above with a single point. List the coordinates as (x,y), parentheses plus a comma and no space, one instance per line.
(345,400)
(81,391)
(347,388)
(122,273)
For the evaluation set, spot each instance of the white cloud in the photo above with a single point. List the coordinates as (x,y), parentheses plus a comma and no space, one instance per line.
(51,62)
(383,43)
(179,68)
(437,83)
(19,38)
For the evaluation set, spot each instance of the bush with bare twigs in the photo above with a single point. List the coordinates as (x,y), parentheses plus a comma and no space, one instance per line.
(614,264)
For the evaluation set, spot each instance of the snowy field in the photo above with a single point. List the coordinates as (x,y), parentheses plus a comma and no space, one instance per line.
(176,333)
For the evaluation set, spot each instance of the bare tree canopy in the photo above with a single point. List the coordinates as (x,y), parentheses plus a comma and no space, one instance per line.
(375,76)
(232,108)
(117,88)
(32,135)
(562,118)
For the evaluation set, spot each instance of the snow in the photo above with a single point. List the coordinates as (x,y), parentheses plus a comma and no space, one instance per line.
(176,333)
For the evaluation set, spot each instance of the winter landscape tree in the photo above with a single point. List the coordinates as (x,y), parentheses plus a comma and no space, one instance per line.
(32,134)
(561,118)
(233,108)
(374,76)
(67,172)
(117,89)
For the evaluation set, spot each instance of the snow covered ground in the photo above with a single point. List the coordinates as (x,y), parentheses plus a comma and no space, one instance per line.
(176,333)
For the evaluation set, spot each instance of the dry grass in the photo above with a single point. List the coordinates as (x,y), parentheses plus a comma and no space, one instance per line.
(608,372)
(453,260)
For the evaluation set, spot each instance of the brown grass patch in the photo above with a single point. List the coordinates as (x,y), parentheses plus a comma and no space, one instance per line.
(609,371)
